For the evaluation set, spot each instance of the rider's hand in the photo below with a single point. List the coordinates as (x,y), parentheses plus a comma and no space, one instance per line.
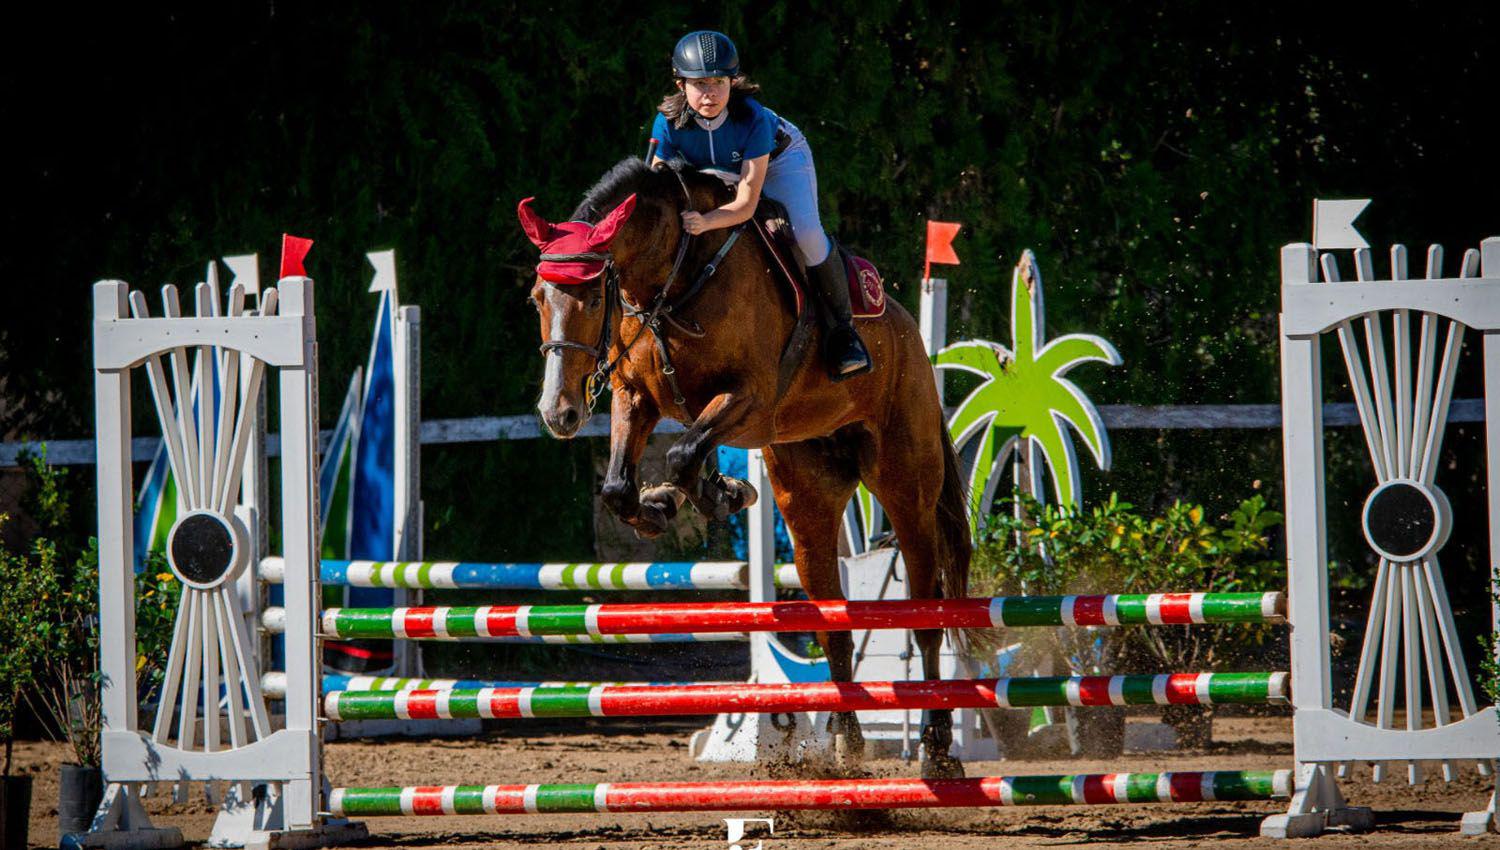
(694,222)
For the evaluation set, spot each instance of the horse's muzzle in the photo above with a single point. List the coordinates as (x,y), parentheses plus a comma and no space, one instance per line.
(563,418)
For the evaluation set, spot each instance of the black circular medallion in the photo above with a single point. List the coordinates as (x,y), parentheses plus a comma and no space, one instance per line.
(1400,520)
(201,548)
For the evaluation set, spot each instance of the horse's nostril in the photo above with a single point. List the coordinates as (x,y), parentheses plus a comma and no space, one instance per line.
(568,419)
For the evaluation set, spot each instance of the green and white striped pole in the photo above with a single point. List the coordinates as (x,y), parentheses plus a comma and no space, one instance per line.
(633,700)
(787,795)
(496,621)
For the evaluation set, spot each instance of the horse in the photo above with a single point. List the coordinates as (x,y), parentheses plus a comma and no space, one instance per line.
(698,329)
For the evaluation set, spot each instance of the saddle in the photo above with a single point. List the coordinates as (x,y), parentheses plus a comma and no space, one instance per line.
(866,289)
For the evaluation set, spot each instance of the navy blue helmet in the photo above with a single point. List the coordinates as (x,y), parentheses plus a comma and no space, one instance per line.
(705,53)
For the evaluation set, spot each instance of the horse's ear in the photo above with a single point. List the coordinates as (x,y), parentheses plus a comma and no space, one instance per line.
(537,229)
(605,230)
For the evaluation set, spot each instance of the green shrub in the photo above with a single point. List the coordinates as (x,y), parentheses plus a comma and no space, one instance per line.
(50,593)
(1111,548)
(27,580)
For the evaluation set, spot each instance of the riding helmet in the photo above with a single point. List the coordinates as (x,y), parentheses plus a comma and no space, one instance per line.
(705,53)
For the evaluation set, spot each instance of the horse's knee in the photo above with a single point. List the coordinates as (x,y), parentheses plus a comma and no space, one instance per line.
(940,723)
(620,498)
(682,462)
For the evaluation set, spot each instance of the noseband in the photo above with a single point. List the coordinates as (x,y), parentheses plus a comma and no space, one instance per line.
(651,317)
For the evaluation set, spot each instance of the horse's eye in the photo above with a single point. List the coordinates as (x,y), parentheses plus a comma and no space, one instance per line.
(595,301)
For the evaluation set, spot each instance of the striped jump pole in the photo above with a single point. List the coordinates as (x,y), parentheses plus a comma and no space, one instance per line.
(494,621)
(473,575)
(634,700)
(274,621)
(333,683)
(273,684)
(794,794)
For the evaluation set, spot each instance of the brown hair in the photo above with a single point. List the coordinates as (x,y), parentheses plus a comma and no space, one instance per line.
(675,107)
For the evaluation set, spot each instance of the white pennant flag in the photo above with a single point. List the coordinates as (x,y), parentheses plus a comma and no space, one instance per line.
(1333,223)
(385,271)
(245,269)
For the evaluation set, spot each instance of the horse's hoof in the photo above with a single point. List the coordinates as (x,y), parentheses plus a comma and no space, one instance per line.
(737,494)
(664,499)
(848,751)
(943,767)
(649,523)
(733,496)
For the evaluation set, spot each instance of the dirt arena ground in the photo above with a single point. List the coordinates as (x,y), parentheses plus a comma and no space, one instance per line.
(603,750)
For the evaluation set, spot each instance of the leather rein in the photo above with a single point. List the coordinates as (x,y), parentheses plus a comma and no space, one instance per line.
(656,317)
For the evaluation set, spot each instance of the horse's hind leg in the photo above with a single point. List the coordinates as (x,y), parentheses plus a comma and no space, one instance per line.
(813,481)
(907,478)
(918,550)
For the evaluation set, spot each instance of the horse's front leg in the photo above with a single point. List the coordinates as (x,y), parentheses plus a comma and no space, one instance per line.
(721,420)
(633,416)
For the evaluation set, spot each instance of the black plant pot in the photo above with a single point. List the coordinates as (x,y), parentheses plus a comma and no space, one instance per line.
(15,810)
(78,794)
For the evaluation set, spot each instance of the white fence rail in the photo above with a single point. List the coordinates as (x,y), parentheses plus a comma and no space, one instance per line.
(484,429)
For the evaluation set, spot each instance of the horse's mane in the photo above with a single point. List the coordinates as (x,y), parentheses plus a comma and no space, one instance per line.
(633,175)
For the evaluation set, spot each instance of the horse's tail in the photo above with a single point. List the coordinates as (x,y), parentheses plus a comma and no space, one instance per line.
(954,540)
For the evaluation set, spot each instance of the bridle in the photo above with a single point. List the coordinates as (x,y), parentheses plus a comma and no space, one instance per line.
(651,316)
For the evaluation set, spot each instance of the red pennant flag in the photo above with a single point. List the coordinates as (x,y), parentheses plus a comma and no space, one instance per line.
(940,245)
(293,251)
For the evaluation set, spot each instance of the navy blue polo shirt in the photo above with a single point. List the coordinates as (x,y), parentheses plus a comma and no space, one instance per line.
(727,145)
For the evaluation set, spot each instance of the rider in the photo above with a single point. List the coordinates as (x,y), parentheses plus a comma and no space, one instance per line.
(713,123)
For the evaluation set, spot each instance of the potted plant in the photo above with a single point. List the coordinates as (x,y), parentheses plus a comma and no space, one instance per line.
(67,687)
(57,607)
(1035,549)
(1047,549)
(24,645)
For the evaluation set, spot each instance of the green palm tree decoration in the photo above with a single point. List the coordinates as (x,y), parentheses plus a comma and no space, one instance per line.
(1024,399)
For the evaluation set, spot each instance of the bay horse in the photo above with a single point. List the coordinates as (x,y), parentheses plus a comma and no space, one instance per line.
(624,294)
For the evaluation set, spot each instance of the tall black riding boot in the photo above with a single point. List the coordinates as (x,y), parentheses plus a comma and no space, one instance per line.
(843,351)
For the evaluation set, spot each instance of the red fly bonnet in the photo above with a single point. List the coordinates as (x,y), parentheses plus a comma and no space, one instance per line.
(573,252)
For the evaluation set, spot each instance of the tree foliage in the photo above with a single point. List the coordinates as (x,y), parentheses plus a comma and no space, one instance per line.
(1155,158)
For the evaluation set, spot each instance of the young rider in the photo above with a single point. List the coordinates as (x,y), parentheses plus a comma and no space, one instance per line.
(713,123)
